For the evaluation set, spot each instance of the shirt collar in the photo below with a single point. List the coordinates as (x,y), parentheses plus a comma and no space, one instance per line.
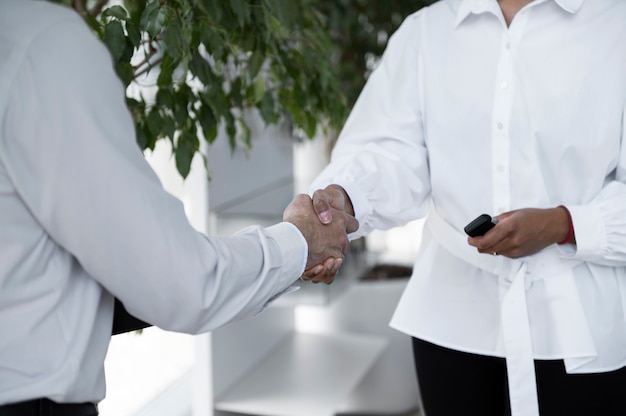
(481,6)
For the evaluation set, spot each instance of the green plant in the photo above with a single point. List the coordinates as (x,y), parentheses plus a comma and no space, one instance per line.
(202,63)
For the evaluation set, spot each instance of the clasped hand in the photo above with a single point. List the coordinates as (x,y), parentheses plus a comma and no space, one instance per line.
(326,230)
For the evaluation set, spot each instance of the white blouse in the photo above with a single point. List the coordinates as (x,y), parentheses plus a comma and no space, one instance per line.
(83,217)
(465,116)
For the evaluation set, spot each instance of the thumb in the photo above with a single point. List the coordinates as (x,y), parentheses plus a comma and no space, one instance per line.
(322,201)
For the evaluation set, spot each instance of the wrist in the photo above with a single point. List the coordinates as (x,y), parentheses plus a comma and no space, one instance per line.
(569,237)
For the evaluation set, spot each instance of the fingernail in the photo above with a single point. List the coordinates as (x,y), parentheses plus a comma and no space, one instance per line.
(318,269)
(338,263)
(325,216)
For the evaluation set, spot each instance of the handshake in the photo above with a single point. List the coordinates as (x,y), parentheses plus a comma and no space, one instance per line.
(325,221)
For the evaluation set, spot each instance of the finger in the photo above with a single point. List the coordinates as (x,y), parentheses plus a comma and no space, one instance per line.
(317,271)
(332,274)
(489,250)
(322,201)
(326,278)
(331,266)
(329,280)
(336,266)
(312,272)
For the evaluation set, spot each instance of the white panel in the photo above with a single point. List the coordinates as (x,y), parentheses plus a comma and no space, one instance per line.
(238,348)
(309,375)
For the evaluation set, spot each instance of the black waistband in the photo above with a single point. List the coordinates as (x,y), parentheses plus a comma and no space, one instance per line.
(46,407)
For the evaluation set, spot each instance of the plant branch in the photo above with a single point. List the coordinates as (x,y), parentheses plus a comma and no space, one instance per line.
(97,8)
(80,7)
(148,67)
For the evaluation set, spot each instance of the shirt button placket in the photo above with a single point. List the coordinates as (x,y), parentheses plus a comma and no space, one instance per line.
(502,105)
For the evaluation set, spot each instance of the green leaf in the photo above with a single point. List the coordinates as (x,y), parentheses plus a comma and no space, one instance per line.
(141,137)
(213,8)
(145,138)
(208,122)
(115,39)
(266,107)
(182,99)
(153,18)
(173,40)
(124,71)
(309,124)
(165,98)
(135,8)
(244,134)
(231,130)
(186,147)
(211,40)
(255,62)
(167,69)
(201,68)
(256,91)
(115,11)
(241,10)
(236,94)
(154,122)
(216,98)
(286,12)
(169,128)
(134,35)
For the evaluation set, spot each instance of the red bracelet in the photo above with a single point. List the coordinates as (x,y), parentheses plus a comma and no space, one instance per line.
(570,234)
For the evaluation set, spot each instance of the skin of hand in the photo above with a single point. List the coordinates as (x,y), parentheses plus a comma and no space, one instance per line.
(326,201)
(328,243)
(524,232)
(333,196)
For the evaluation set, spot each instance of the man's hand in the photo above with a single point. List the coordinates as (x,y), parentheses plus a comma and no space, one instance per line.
(524,232)
(328,243)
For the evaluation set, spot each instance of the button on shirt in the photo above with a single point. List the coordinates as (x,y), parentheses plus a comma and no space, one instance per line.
(83,218)
(464,116)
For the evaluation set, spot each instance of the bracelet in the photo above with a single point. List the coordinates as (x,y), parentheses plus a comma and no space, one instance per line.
(570,233)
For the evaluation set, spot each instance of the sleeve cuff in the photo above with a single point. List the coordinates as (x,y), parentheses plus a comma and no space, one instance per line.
(294,247)
(589,229)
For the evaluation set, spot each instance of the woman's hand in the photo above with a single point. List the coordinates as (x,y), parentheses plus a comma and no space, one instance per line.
(524,232)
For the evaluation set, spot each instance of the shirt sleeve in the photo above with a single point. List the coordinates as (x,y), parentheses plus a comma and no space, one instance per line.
(380,158)
(68,144)
(600,226)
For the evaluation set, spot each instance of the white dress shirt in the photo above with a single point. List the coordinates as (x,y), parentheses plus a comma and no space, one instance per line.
(83,218)
(470,116)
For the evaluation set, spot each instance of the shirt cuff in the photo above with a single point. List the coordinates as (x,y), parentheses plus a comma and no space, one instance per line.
(589,229)
(293,246)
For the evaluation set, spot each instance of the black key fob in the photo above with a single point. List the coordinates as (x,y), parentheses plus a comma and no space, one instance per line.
(480,225)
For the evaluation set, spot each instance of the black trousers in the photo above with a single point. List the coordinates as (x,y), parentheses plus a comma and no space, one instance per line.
(456,383)
(45,407)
